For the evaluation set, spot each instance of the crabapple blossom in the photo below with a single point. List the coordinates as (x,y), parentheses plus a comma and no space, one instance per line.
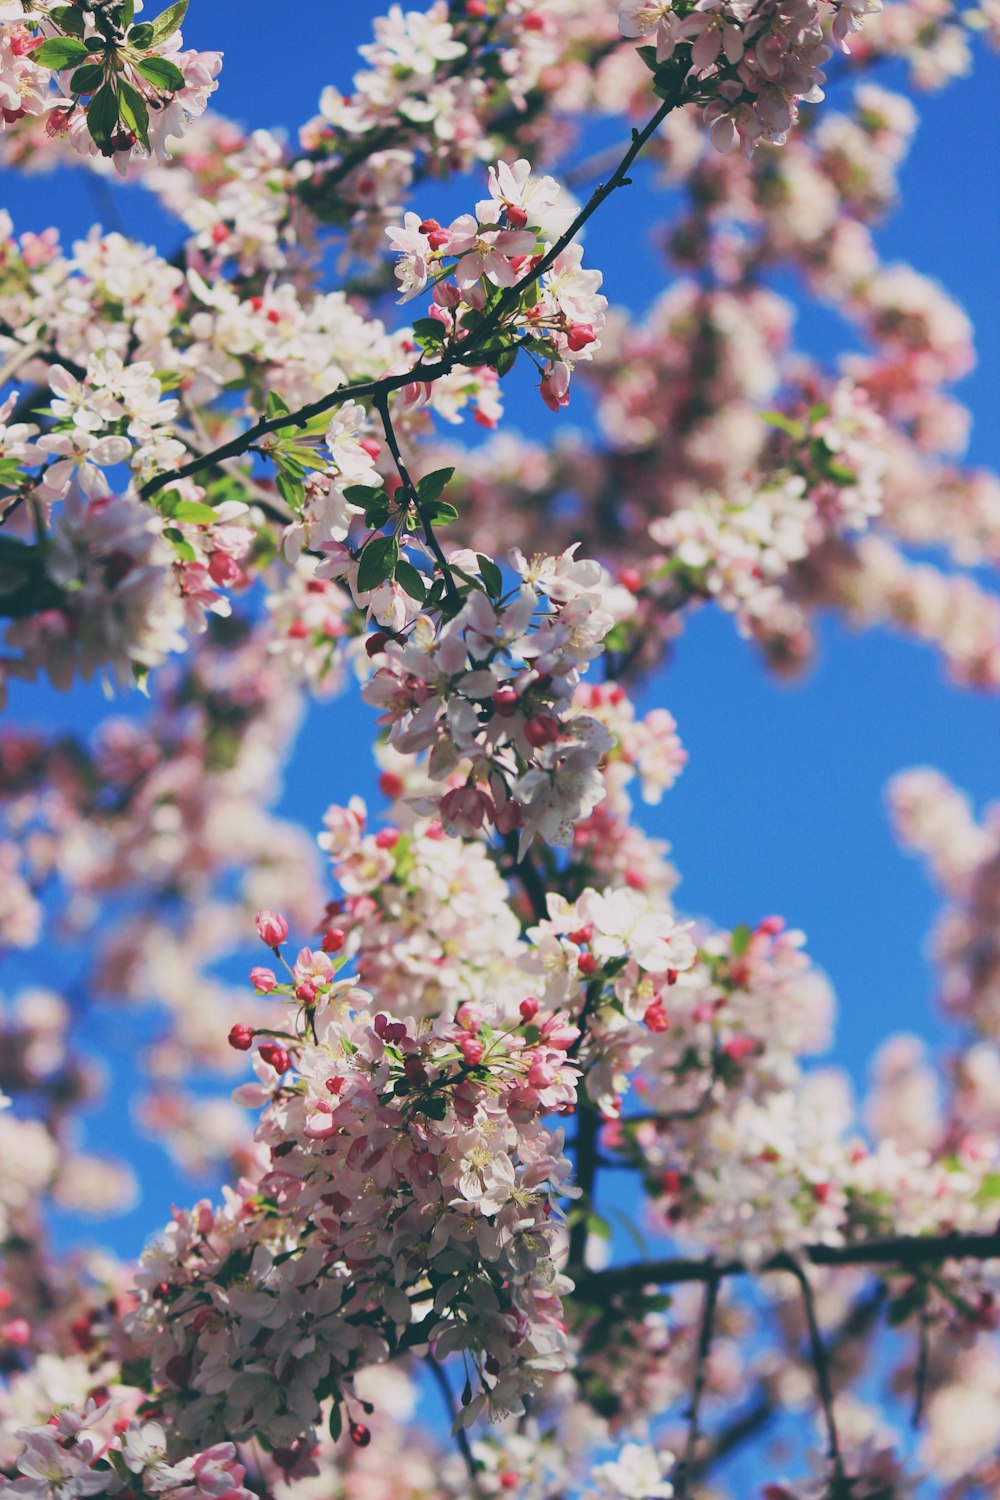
(232,473)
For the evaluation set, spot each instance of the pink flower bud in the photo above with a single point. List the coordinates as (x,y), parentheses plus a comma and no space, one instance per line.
(541,730)
(334,940)
(306,992)
(656,1017)
(276,1056)
(740,1047)
(469,1016)
(517,217)
(505,701)
(17,1331)
(263,980)
(272,928)
(528,1008)
(223,569)
(540,1075)
(472,1050)
(360,1435)
(579,335)
(387,838)
(241,1037)
(771,926)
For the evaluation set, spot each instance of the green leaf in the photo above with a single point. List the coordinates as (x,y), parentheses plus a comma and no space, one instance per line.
(88,78)
(102,116)
(364,494)
(182,546)
(135,115)
(784,424)
(69,19)
(432,484)
(126,14)
(905,1305)
(377,562)
(491,575)
(411,580)
(599,1226)
(439,512)
(291,489)
(60,52)
(288,465)
(161,74)
(989,1188)
(376,515)
(336,1422)
(188,510)
(740,940)
(168,21)
(276,406)
(308,458)
(505,361)
(141,36)
(428,333)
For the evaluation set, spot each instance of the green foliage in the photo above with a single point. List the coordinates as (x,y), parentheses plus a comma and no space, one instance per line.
(168,21)
(102,116)
(162,74)
(60,52)
(378,562)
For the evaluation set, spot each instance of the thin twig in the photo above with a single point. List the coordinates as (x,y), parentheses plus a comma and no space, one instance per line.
(381,404)
(823,1383)
(460,1435)
(17,359)
(468,352)
(746,1424)
(923,1360)
(684,1469)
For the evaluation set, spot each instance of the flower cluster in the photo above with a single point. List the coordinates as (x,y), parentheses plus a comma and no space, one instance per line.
(748,63)
(489,698)
(475,265)
(121,87)
(403,1197)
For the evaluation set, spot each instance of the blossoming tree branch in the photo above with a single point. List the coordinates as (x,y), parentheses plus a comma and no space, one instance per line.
(229,485)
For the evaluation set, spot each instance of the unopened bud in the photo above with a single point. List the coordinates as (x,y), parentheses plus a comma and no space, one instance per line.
(541,730)
(272,928)
(276,1056)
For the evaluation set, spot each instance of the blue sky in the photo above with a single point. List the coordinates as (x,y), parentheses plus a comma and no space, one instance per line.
(781,807)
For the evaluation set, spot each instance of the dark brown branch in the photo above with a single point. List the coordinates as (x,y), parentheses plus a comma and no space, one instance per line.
(412,496)
(686,1465)
(746,1424)
(923,1361)
(460,1435)
(824,1385)
(907,1252)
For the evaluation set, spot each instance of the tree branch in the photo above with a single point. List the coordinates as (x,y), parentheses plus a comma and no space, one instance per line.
(823,1385)
(686,1465)
(468,352)
(460,1435)
(909,1252)
(381,404)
